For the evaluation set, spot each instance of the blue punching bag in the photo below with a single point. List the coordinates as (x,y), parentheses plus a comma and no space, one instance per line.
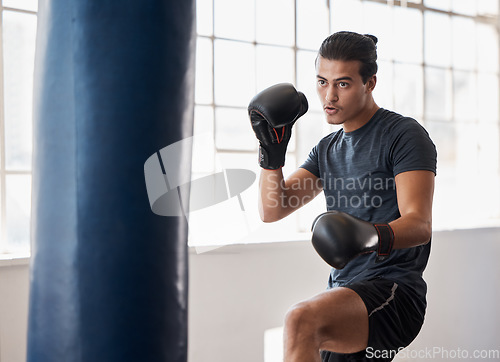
(113,85)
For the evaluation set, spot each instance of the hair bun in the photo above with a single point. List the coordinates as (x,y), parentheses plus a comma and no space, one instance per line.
(372,37)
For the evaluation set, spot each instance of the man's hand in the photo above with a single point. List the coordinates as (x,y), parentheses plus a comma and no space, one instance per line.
(272,114)
(339,237)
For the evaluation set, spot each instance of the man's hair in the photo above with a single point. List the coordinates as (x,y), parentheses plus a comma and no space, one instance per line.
(347,46)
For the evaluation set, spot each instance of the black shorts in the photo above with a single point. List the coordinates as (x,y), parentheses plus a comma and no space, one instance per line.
(395,316)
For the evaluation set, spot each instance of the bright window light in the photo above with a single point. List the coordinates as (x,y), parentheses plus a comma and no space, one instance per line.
(273,345)
(425,71)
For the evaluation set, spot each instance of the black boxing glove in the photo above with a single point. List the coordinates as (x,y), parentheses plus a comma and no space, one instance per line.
(339,237)
(272,114)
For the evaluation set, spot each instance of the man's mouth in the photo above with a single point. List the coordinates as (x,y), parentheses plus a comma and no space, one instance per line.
(330,110)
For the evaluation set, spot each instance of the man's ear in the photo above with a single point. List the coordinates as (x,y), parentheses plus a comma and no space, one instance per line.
(371,83)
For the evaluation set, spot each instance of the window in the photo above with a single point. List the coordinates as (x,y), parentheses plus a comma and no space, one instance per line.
(438,62)
(18,28)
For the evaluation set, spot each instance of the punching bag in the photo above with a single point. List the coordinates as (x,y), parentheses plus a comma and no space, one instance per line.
(113,85)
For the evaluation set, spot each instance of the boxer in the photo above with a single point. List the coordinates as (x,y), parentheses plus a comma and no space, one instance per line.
(375,301)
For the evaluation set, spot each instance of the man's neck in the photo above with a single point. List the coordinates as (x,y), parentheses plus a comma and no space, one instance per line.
(363,118)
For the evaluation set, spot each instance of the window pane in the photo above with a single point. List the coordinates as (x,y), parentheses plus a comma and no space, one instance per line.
(19,33)
(233,130)
(437,94)
(234,19)
(379,22)
(467,139)
(18,211)
(408,88)
(274,65)
(408,35)
(30,5)
(340,21)
(204,71)
(384,91)
(487,44)
(443,134)
(203,145)
(489,148)
(464,32)
(306,78)
(488,95)
(466,7)
(487,7)
(204,18)
(310,129)
(234,73)
(444,137)
(467,165)
(233,220)
(312,23)
(438,4)
(437,39)
(465,96)
(269,28)
(488,216)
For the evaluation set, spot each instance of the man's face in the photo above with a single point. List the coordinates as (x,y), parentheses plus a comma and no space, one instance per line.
(345,99)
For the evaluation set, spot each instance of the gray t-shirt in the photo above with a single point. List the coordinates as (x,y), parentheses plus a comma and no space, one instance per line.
(357,170)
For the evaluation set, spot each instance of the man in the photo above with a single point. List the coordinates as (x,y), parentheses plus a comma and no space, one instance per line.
(377,173)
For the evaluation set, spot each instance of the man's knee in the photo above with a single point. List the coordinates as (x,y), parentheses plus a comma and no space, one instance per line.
(335,320)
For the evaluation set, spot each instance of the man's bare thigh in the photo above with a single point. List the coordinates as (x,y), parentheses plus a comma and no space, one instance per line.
(342,320)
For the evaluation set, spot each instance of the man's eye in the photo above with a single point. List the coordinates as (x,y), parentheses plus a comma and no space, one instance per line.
(321,82)
(343,84)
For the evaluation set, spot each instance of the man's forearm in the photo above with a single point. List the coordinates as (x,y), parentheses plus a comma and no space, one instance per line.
(272,195)
(279,197)
(411,230)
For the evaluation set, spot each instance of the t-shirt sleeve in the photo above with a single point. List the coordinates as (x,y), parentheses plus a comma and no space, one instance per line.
(411,148)
(311,164)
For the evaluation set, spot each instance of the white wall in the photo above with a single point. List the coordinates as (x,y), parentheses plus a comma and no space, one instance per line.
(14,285)
(464,296)
(238,292)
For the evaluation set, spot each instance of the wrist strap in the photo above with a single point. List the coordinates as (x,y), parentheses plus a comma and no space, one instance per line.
(386,241)
(273,158)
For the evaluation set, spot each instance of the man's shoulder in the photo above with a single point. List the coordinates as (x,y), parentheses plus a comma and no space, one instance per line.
(395,124)
(329,138)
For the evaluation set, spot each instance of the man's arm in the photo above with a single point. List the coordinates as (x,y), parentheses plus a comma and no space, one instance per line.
(279,197)
(339,237)
(273,113)
(415,190)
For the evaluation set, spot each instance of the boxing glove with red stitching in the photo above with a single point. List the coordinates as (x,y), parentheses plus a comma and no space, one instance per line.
(272,114)
(339,237)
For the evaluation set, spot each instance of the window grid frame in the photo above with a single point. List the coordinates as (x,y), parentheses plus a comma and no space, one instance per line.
(490,20)
(4,172)
(295,49)
(478,18)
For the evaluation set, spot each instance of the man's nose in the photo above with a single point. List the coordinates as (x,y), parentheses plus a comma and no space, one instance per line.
(331,95)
